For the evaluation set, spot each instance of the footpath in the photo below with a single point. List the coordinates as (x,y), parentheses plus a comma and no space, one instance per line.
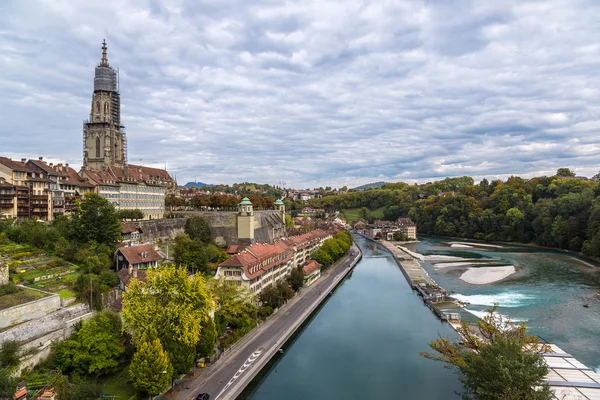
(227,378)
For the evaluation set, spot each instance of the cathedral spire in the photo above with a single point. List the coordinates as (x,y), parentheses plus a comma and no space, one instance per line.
(104,61)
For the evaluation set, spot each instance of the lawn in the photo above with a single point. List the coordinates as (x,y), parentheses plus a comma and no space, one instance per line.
(118,384)
(353,214)
(21,297)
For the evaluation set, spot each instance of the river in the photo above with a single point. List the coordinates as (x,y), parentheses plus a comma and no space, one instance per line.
(548,291)
(363,343)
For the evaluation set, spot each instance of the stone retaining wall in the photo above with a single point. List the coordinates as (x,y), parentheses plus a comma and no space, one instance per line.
(164,229)
(39,327)
(28,311)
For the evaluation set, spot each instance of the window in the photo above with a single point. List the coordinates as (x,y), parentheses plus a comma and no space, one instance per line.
(98,106)
(98,145)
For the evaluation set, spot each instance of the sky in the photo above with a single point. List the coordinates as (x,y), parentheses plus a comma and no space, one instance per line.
(311,93)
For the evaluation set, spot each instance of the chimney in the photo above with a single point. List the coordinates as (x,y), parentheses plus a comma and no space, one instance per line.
(23,160)
(51,164)
(41,158)
(67,165)
(135,272)
(130,268)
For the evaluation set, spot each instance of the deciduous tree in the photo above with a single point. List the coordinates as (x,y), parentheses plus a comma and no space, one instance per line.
(95,220)
(197,228)
(94,349)
(175,305)
(496,360)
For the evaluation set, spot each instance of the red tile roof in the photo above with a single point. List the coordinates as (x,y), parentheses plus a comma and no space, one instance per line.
(282,251)
(15,165)
(70,177)
(126,277)
(310,267)
(43,166)
(234,249)
(133,254)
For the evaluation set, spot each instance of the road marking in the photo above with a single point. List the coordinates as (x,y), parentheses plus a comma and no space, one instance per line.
(240,371)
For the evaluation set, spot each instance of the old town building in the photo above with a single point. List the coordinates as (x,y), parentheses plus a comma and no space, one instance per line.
(260,265)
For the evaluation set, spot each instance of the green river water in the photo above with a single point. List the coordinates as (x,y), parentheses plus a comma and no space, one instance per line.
(364,341)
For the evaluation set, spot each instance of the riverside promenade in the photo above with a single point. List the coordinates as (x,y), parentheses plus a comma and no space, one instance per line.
(230,375)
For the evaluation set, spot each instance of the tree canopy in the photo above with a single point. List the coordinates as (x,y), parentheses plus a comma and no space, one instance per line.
(96,220)
(497,359)
(94,349)
(174,305)
(197,228)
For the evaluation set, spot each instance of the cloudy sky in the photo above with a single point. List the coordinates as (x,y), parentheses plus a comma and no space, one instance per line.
(312,92)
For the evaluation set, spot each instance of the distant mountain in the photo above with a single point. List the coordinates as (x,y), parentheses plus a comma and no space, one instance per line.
(374,185)
(198,184)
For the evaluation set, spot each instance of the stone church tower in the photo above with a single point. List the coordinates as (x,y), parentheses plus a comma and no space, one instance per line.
(104,142)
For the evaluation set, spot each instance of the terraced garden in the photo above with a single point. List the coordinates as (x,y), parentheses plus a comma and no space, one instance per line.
(33,268)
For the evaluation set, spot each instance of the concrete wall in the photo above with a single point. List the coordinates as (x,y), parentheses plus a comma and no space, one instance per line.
(161,229)
(28,311)
(40,327)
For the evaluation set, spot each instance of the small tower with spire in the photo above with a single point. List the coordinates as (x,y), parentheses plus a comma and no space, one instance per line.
(104,61)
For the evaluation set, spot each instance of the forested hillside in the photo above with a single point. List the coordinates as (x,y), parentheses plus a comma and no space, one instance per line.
(559,211)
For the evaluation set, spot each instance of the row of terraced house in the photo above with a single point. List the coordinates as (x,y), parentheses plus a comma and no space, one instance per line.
(260,265)
(35,189)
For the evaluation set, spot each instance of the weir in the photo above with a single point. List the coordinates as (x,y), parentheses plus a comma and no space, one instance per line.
(567,377)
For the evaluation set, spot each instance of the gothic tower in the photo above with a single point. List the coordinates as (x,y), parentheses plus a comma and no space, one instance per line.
(104,142)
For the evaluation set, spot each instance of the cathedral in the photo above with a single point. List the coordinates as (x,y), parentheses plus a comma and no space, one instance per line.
(104,142)
(126,186)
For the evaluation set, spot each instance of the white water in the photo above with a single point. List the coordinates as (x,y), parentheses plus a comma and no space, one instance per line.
(481,314)
(506,299)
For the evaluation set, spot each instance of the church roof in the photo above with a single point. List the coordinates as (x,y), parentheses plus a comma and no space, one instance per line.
(245,202)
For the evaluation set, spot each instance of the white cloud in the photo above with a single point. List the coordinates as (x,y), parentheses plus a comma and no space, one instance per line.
(312,92)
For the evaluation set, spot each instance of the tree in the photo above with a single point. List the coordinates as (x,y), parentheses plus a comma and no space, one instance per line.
(296,279)
(9,354)
(289,222)
(566,172)
(191,254)
(234,307)
(197,228)
(7,383)
(208,340)
(96,220)
(497,360)
(364,213)
(150,370)
(172,303)
(94,349)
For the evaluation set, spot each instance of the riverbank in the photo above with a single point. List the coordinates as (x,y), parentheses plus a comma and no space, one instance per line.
(232,372)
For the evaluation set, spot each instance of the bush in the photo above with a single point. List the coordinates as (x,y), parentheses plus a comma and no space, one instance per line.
(9,354)
(9,289)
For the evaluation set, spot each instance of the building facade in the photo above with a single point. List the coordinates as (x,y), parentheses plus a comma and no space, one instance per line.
(261,265)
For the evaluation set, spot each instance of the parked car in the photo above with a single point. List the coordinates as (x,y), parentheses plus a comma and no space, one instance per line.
(202,396)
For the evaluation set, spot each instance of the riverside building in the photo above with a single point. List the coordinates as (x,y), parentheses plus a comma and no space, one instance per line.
(261,265)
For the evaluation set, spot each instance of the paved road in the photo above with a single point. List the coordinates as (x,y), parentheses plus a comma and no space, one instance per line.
(223,379)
